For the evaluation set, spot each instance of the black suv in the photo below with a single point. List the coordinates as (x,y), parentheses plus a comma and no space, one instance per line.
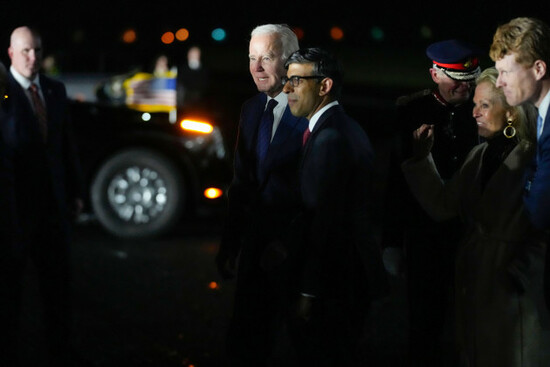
(144,171)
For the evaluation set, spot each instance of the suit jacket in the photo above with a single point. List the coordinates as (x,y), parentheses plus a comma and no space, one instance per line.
(262,204)
(47,175)
(336,174)
(537,198)
(455,132)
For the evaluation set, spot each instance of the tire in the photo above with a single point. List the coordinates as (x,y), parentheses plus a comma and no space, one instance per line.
(138,193)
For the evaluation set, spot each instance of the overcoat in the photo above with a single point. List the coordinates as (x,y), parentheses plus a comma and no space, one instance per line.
(499,262)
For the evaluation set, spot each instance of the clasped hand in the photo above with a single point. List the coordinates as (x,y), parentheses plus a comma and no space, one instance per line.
(423,140)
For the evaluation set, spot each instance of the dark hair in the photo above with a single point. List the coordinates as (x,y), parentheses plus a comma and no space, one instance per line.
(324,64)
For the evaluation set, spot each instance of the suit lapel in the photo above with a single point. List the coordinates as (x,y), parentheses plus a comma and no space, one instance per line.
(49,101)
(47,94)
(284,131)
(545,134)
(21,111)
(281,146)
(318,126)
(252,122)
(286,126)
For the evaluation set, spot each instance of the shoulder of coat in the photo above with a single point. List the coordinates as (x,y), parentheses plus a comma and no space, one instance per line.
(405,100)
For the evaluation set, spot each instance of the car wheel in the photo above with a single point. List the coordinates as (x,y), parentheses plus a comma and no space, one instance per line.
(138,193)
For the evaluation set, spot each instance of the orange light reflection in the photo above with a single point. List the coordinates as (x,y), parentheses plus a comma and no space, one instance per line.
(212,193)
(197,126)
(167,38)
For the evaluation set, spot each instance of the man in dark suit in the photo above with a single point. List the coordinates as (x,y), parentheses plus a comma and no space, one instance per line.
(262,201)
(521,51)
(47,190)
(340,267)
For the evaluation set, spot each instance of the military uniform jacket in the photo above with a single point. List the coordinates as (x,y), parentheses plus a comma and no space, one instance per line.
(455,133)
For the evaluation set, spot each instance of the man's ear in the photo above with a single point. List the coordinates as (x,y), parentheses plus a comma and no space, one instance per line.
(540,69)
(326,86)
(435,75)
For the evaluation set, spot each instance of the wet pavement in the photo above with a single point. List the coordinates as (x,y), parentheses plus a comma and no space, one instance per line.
(160,303)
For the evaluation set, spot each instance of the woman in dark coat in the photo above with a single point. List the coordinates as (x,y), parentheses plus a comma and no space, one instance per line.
(499,261)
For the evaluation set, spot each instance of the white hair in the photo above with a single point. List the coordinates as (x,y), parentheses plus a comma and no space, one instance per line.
(289,41)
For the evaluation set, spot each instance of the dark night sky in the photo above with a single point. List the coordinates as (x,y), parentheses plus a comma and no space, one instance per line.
(84,30)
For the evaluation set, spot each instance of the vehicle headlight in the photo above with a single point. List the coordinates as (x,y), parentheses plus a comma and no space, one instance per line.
(197,126)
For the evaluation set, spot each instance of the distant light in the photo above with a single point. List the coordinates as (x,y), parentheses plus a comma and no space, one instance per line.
(146,116)
(336,33)
(377,33)
(299,33)
(167,38)
(213,285)
(182,34)
(426,32)
(218,34)
(212,193)
(78,36)
(129,36)
(197,126)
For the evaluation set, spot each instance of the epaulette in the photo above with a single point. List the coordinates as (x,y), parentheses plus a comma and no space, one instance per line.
(404,100)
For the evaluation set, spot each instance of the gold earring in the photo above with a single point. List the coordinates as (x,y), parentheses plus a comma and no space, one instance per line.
(509,131)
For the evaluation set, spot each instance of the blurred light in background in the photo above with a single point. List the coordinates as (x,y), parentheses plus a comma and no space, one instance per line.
(129,36)
(377,33)
(182,34)
(299,33)
(218,34)
(167,38)
(212,193)
(426,32)
(336,33)
(197,126)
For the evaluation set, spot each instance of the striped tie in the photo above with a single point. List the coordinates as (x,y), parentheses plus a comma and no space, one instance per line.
(40,111)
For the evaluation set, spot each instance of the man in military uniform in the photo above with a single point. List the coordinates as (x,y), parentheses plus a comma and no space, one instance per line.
(428,247)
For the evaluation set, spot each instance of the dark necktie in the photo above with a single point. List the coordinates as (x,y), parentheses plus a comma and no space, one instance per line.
(266,128)
(307,132)
(40,111)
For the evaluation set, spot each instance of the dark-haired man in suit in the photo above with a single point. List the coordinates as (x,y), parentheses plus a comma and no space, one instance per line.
(262,201)
(35,127)
(340,265)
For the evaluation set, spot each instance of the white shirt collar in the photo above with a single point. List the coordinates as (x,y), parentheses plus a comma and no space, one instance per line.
(282,101)
(318,114)
(278,110)
(24,82)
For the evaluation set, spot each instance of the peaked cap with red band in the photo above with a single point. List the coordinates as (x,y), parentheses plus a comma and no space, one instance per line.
(457,59)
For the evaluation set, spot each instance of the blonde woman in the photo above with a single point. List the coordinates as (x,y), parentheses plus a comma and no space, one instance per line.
(499,260)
